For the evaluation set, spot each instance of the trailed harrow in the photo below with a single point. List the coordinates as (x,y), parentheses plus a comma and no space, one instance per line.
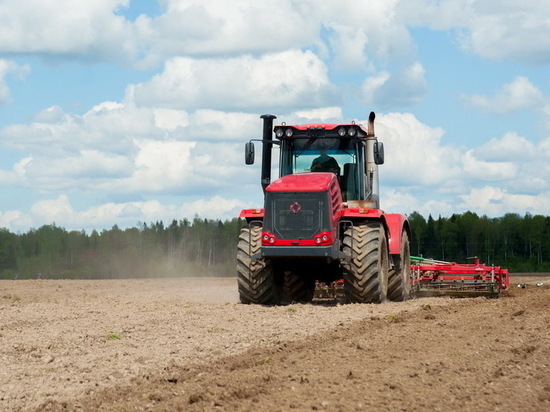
(431,277)
(436,278)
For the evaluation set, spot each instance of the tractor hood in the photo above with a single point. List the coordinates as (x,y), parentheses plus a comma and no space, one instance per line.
(302,213)
(309,182)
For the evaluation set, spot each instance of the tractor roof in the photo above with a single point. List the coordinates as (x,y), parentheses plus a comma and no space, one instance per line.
(321,126)
(284,131)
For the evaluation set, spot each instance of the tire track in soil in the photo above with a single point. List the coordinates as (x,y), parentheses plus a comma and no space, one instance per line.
(473,354)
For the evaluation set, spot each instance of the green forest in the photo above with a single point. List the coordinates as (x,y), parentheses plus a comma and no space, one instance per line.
(202,247)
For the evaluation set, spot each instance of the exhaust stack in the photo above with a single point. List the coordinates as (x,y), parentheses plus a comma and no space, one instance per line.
(266,149)
(372,168)
(370,126)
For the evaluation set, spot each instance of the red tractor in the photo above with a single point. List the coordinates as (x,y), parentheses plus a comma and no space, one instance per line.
(321,221)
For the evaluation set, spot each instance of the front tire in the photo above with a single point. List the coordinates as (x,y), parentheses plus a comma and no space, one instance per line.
(366,272)
(255,277)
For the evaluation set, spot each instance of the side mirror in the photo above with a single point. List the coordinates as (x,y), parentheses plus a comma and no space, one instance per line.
(379,153)
(249,153)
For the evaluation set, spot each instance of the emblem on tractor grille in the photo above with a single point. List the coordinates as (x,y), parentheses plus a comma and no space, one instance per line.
(295,207)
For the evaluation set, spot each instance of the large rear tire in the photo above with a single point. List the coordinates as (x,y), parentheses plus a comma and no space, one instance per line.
(255,276)
(366,271)
(297,288)
(399,280)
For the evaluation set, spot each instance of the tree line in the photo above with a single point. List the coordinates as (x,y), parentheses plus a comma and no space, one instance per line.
(202,247)
(199,247)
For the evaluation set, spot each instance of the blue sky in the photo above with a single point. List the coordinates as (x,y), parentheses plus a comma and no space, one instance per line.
(119,112)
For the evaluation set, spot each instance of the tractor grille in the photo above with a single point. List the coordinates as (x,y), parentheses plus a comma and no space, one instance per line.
(296,215)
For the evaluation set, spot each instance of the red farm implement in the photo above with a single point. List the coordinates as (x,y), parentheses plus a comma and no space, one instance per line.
(436,278)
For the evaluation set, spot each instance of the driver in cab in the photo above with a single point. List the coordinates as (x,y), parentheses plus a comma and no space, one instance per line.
(325,163)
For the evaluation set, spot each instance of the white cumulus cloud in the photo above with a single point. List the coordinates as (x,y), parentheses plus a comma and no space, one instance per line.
(89,29)
(219,27)
(119,148)
(495,201)
(499,30)
(510,146)
(404,87)
(414,151)
(520,166)
(288,79)
(60,210)
(353,34)
(520,94)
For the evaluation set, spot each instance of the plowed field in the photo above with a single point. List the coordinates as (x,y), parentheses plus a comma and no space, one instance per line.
(187,344)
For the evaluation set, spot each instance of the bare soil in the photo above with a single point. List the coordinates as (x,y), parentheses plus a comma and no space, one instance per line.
(187,344)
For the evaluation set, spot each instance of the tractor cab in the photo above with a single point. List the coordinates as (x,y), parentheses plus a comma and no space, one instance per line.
(349,151)
(316,149)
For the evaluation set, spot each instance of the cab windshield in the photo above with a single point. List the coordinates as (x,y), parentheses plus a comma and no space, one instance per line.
(322,155)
